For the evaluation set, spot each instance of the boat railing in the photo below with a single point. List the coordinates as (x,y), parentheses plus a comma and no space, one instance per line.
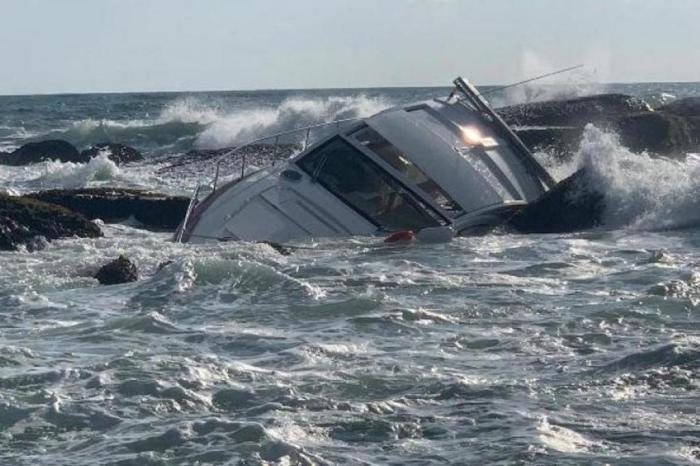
(306,132)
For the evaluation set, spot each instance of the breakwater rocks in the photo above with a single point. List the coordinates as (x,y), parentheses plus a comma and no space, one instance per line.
(29,222)
(152,210)
(557,126)
(63,151)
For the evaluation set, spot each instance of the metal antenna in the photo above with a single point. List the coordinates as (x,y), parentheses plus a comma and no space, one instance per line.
(565,70)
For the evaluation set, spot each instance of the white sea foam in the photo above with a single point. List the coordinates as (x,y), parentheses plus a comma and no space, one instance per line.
(641,191)
(562,439)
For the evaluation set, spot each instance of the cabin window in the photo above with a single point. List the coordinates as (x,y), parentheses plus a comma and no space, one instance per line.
(375,142)
(367,188)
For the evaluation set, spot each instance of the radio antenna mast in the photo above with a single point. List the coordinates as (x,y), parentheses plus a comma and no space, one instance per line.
(520,83)
(536,78)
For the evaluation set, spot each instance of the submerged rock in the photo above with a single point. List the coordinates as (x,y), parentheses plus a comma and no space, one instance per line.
(120,270)
(117,153)
(26,221)
(37,152)
(572,205)
(152,210)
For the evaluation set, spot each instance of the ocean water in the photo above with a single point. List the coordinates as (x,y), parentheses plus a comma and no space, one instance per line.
(502,349)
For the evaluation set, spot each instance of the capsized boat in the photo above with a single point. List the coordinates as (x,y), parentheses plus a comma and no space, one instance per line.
(440,164)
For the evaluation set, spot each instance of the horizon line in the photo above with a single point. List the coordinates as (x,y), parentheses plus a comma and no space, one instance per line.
(301,89)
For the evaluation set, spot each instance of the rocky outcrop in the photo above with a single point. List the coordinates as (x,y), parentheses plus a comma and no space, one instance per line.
(63,151)
(688,107)
(30,222)
(152,210)
(117,153)
(557,126)
(37,152)
(121,270)
(659,133)
(572,205)
(573,112)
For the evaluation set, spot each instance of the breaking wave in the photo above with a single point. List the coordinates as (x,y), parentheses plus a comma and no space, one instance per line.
(188,123)
(236,127)
(99,171)
(641,191)
(76,175)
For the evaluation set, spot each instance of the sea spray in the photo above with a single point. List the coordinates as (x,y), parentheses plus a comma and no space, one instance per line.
(641,191)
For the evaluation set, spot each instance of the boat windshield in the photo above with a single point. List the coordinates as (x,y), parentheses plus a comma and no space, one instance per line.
(367,188)
(375,142)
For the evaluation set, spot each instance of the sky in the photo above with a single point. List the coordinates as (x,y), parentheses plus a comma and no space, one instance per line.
(62,46)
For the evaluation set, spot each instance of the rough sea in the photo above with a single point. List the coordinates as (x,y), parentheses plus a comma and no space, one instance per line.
(501,349)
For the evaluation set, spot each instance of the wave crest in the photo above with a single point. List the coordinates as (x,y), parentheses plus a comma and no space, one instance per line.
(77,175)
(234,128)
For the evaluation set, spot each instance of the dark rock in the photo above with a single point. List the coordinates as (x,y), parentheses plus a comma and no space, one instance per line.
(570,206)
(688,107)
(23,221)
(152,210)
(117,153)
(120,270)
(36,152)
(561,140)
(659,132)
(557,126)
(38,243)
(573,112)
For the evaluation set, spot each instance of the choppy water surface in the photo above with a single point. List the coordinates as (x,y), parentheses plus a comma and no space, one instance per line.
(505,349)
(501,348)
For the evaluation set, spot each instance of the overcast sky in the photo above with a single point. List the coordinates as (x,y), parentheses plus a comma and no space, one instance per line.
(49,46)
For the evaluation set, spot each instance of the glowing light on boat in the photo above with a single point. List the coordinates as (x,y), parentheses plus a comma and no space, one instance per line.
(471,135)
